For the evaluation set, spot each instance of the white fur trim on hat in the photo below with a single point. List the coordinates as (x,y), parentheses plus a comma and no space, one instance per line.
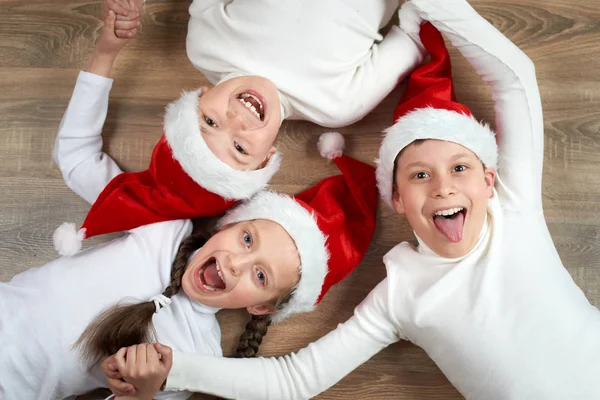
(311,243)
(432,123)
(182,129)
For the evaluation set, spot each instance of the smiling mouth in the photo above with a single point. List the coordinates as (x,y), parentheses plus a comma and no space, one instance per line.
(450,222)
(211,277)
(253,103)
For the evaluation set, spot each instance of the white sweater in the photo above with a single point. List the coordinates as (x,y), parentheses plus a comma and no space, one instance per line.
(506,321)
(327,58)
(44,310)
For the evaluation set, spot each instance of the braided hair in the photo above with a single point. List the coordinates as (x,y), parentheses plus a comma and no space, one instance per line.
(127,325)
(255,331)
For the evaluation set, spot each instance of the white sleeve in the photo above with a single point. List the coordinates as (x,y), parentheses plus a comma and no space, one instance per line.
(302,375)
(511,75)
(391,61)
(172,395)
(78,146)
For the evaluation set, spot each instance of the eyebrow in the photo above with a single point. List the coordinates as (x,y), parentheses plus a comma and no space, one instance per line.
(422,164)
(461,155)
(415,164)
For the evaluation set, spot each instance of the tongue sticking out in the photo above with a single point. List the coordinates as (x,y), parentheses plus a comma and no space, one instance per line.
(451,227)
(211,277)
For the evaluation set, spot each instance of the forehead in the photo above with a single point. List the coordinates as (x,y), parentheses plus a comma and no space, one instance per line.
(432,151)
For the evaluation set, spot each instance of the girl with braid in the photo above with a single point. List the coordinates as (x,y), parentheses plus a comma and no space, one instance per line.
(274,255)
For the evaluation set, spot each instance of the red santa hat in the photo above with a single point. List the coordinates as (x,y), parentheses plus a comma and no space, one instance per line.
(429,110)
(331,223)
(184,180)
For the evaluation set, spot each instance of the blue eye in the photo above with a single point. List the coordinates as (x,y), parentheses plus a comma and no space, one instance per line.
(261,276)
(421,175)
(247,239)
(240,149)
(210,122)
(460,168)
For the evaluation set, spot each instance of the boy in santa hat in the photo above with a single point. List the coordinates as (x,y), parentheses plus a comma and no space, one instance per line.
(320,61)
(484,293)
(274,255)
(191,174)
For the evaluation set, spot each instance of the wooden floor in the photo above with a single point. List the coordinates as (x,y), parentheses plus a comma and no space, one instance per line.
(43,45)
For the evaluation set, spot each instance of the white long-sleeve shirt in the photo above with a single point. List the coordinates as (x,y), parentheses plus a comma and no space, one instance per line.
(505,321)
(327,58)
(44,310)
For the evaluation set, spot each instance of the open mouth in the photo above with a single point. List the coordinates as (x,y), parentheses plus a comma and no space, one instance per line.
(253,103)
(210,276)
(450,222)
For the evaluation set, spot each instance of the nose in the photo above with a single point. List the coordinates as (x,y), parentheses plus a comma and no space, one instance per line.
(237,263)
(235,121)
(443,186)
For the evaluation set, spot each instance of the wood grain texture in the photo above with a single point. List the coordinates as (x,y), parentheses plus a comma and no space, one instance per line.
(44,44)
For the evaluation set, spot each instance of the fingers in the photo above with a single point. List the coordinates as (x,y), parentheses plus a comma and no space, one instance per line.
(120,358)
(131,355)
(166,355)
(132,17)
(125,34)
(141,354)
(110,369)
(109,24)
(118,8)
(152,355)
(125,25)
(120,388)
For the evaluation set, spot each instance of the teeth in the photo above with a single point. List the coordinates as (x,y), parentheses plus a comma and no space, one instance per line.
(450,211)
(219,272)
(249,105)
(209,287)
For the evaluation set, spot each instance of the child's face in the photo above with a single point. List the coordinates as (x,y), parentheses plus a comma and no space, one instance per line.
(250,264)
(438,177)
(239,121)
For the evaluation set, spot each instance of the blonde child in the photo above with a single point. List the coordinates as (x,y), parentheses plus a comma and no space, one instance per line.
(326,59)
(484,293)
(274,255)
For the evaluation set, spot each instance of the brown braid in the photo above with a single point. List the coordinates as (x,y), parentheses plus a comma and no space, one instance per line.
(253,335)
(256,329)
(126,325)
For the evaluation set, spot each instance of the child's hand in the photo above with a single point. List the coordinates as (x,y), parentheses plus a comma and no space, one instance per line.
(114,380)
(145,366)
(109,43)
(107,48)
(128,14)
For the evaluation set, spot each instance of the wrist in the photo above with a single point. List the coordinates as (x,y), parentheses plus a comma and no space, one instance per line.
(102,62)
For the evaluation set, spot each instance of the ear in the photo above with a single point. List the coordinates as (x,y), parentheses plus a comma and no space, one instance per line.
(490,179)
(397,200)
(272,151)
(261,309)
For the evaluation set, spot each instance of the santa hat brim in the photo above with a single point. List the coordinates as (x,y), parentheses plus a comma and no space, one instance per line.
(437,124)
(182,130)
(311,243)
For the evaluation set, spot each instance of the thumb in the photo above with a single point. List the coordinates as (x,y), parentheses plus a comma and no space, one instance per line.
(166,355)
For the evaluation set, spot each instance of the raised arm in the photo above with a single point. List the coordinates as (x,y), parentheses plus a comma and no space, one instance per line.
(302,375)
(511,75)
(391,61)
(78,146)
